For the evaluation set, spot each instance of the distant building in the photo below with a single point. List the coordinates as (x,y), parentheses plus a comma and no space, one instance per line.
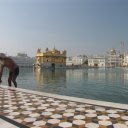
(77,60)
(97,61)
(23,60)
(125,62)
(111,59)
(69,61)
(51,58)
(114,58)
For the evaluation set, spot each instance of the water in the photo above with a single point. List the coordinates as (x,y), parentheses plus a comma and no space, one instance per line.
(101,84)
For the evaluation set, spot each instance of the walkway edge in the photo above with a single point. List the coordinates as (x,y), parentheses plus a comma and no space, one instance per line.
(75,99)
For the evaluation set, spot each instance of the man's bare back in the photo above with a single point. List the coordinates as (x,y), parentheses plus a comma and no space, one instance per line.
(9,63)
(13,69)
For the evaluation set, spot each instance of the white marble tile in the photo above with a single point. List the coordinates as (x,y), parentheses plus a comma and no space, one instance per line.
(45,105)
(78,122)
(39,123)
(8,111)
(80,109)
(56,116)
(119,110)
(36,127)
(72,104)
(30,119)
(60,108)
(31,108)
(126,123)
(118,125)
(79,117)
(50,99)
(124,117)
(26,112)
(105,123)
(62,105)
(65,124)
(114,115)
(41,108)
(92,125)
(111,111)
(13,108)
(28,104)
(7,106)
(10,116)
(102,117)
(69,110)
(54,104)
(101,109)
(50,109)
(34,115)
(46,113)
(56,101)
(91,111)
(14,113)
(53,121)
(68,114)
(18,120)
(90,115)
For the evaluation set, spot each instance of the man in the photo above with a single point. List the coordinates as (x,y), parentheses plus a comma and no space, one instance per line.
(13,69)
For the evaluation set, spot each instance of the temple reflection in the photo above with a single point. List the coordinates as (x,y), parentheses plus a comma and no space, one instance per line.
(46,76)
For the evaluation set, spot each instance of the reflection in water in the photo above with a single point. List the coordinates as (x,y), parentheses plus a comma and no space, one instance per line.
(102,84)
(50,76)
(38,75)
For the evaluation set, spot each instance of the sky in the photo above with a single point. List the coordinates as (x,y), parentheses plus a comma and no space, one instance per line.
(86,27)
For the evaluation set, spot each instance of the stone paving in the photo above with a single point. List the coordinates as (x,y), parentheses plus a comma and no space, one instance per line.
(37,111)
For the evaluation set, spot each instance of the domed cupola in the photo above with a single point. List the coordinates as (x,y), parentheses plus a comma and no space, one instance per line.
(113,51)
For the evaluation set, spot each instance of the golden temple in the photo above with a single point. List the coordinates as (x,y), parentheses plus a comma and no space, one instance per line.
(50,58)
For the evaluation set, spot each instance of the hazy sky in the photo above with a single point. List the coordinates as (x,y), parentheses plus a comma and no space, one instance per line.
(79,26)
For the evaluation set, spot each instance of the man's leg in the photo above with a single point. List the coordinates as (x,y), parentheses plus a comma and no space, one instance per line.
(14,80)
(9,79)
(16,73)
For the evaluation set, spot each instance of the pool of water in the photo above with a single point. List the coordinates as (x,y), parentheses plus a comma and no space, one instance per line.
(109,84)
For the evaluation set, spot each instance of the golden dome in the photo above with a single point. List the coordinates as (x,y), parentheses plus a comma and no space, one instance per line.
(113,51)
(54,50)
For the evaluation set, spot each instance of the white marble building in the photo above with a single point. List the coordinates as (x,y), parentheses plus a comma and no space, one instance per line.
(76,61)
(125,62)
(111,59)
(97,61)
(23,60)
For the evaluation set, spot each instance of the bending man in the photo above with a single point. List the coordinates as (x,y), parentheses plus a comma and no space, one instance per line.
(13,69)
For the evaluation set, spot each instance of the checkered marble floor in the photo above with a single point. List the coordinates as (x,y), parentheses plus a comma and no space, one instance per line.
(38,111)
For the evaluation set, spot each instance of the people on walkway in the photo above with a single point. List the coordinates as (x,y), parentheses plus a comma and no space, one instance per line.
(13,69)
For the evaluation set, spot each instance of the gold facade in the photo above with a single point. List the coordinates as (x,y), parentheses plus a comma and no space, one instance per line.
(51,58)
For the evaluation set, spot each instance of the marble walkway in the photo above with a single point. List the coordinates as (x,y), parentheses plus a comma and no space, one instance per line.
(22,108)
